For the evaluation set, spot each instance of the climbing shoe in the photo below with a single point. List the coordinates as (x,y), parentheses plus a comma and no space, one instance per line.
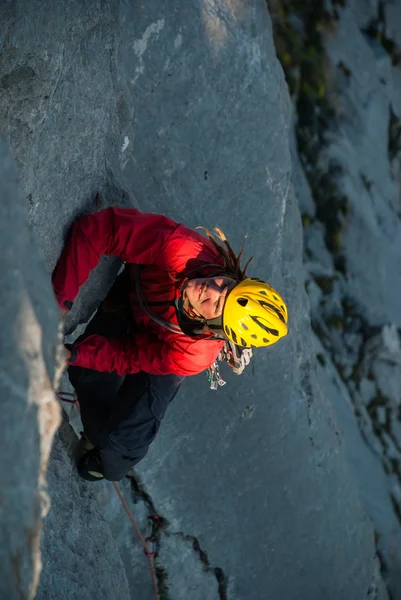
(90,465)
(84,445)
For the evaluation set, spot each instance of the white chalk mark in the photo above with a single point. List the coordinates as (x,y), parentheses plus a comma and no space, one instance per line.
(140,46)
(178,41)
(125,144)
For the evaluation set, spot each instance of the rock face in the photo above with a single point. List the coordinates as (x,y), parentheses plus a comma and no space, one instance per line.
(345,83)
(30,414)
(183,109)
(80,556)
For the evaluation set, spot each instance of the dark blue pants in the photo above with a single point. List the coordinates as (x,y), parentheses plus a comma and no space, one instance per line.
(121,414)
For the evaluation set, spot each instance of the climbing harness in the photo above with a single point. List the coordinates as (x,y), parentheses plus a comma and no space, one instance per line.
(150,551)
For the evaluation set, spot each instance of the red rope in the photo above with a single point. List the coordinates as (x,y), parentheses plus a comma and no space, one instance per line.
(149,554)
(68,397)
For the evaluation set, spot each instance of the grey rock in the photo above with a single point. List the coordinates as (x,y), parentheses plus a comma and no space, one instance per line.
(364,453)
(28,368)
(395,91)
(395,426)
(373,227)
(315,295)
(315,244)
(381,415)
(392,19)
(391,342)
(81,558)
(358,140)
(367,390)
(388,380)
(299,180)
(396,491)
(197,580)
(392,451)
(364,11)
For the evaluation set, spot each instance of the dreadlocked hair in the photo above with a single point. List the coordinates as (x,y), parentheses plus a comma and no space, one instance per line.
(232,267)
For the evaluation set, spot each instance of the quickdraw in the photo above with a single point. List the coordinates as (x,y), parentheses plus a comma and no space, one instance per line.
(214,377)
(234,356)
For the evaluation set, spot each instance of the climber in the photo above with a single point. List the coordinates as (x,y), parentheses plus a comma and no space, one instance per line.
(181,301)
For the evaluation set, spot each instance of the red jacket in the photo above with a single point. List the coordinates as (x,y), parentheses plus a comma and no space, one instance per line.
(168,251)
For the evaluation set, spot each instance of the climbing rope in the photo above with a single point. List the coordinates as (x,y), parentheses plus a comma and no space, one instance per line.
(149,554)
(72,399)
(68,397)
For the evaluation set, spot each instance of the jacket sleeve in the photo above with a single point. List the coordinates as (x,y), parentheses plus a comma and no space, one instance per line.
(144,352)
(124,232)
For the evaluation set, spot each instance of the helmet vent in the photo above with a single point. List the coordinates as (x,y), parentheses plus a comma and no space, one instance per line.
(243,342)
(254,336)
(234,336)
(272,307)
(264,327)
(275,297)
(227,330)
(244,326)
(263,292)
(242,301)
(265,341)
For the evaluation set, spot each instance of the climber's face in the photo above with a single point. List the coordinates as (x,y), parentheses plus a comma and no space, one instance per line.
(207,295)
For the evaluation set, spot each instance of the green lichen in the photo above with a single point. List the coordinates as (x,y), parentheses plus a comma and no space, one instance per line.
(296,28)
(299,28)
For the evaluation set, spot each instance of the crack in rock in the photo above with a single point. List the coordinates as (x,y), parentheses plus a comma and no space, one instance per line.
(374,587)
(203,557)
(160,527)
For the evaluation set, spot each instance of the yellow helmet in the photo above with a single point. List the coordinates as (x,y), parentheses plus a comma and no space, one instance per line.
(254,314)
